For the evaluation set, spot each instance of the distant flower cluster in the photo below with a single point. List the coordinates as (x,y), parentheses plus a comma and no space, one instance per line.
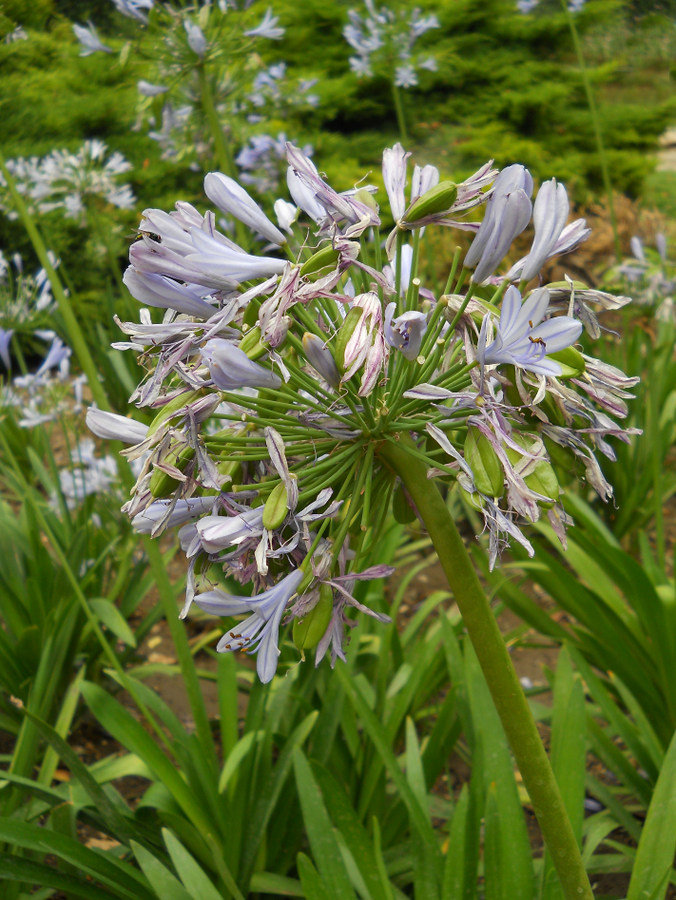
(68,182)
(383,41)
(651,275)
(26,305)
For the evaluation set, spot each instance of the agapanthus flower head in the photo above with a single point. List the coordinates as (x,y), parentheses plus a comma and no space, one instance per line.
(280,384)
(67,182)
(383,35)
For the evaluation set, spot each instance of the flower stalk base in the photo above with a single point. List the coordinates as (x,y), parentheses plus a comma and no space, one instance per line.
(497,667)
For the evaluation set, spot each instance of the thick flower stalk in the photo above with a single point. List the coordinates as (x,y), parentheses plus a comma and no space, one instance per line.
(288,389)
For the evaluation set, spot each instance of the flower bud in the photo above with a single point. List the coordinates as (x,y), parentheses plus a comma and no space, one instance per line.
(172,407)
(308,631)
(367,198)
(325,258)
(571,361)
(484,463)
(276,507)
(320,358)
(345,331)
(437,200)
(544,481)
(251,343)
(162,483)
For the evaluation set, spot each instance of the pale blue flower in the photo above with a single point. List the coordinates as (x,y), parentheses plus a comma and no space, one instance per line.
(406,331)
(232,369)
(196,40)
(5,338)
(508,212)
(134,8)
(89,39)
(268,28)
(260,632)
(522,341)
(230,197)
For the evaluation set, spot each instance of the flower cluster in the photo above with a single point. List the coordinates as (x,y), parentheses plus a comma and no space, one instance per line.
(206,67)
(26,305)
(651,275)
(278,383)
(383,43)
(68,182)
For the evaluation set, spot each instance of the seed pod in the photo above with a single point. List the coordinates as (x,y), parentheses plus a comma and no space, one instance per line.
(325,258)
(484,463)
(544,481)
(169,409)
(402,510)
(162,483)
(437,200)
(308,631)
(276,507)
(571,362)
(344,334)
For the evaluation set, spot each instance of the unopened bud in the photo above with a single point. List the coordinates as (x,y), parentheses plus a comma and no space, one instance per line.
(169,409)
(308,631)
(320,358)
(438,199)
(251,343)
(544,481)
(345,331)
(571,362)
(162,483)
(325,258)
(276,507)
(484,463)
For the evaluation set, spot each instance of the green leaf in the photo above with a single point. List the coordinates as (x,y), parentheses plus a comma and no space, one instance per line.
(313,886)
(508,865)
(111,617)
(98,865)
(419,818)
(352,831)
(655,852)
(26,871)
(166,885)
(198,884)
(453,884)
(131,734)
(279,885)
(325,847)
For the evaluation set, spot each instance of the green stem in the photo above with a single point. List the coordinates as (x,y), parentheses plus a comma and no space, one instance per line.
(399,110)
(221,149)
(502,680)
(591,103)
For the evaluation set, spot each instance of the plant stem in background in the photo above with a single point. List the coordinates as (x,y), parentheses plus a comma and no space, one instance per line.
(502,680)
(591,103)
(222,154)
(399,110)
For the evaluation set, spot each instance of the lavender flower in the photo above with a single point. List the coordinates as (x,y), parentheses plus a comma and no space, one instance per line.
(260,632)
(89,39)
(522,340)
